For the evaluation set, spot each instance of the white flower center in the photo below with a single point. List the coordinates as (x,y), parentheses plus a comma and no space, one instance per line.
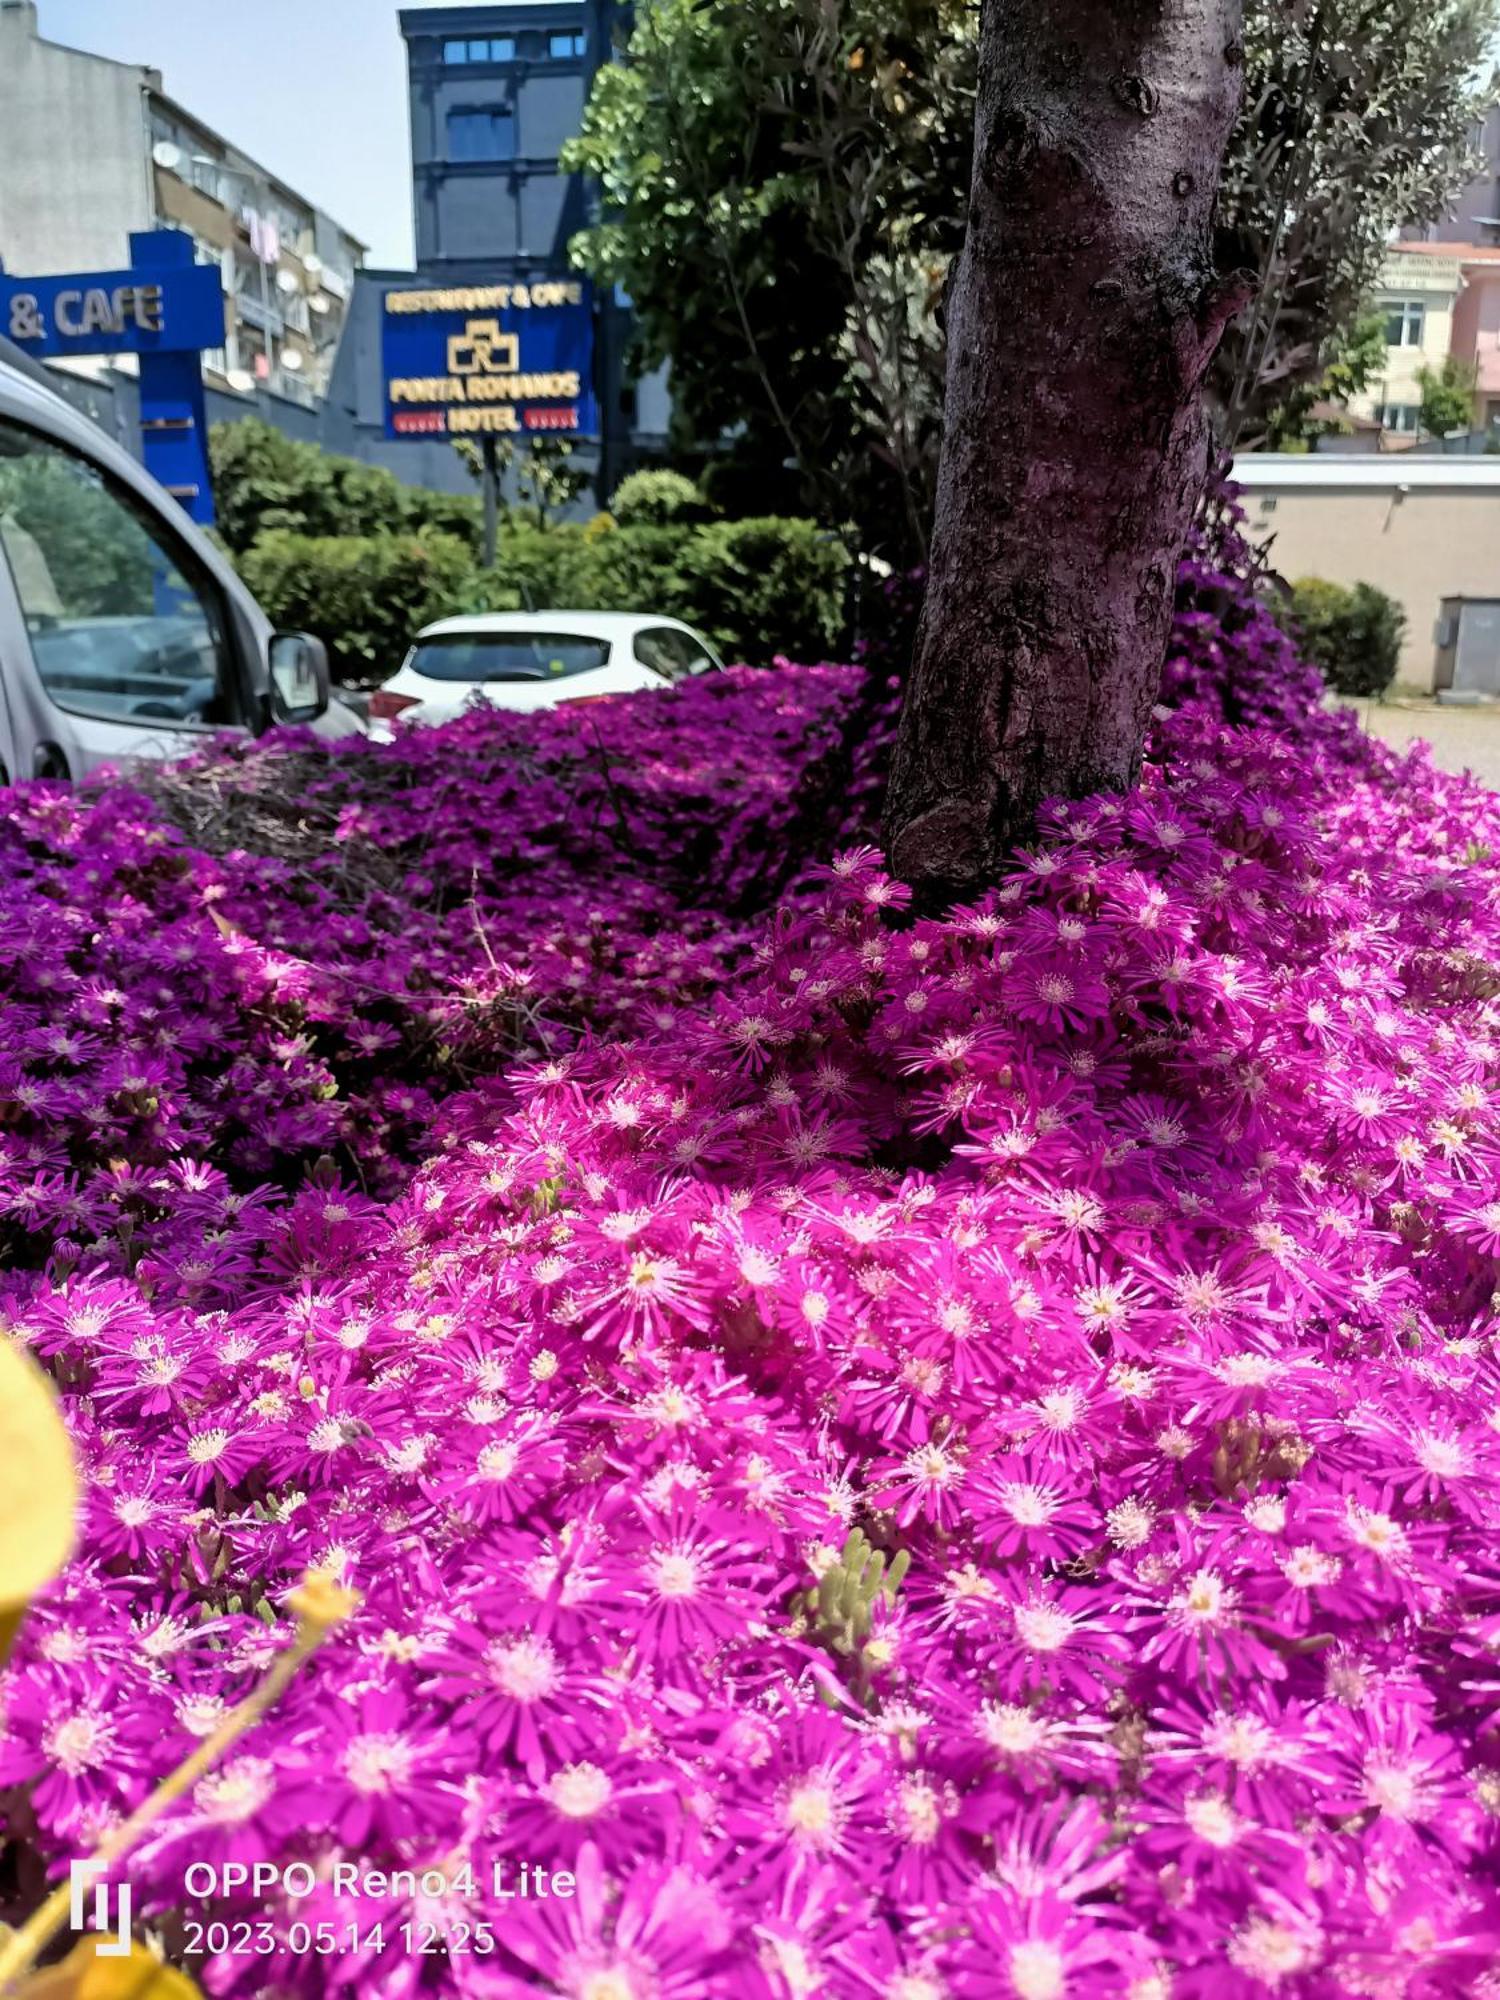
(1213,1819)
(1043,1628)
(235,1794)
(675,1573)
(813,1815)
(80,1742)
(525,1669)
(378,1763)
(580,1791)
(1037,1971)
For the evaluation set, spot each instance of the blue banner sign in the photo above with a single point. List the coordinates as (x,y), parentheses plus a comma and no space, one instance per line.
(164,308)
(159,306)
(467,360)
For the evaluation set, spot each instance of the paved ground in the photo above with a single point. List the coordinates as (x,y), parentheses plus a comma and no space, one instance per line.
(1462,739)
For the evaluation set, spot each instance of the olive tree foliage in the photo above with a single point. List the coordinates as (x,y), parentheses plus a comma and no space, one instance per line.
(783,184)
(1448,395)
(1357,119)
(782,187)
(1318,406)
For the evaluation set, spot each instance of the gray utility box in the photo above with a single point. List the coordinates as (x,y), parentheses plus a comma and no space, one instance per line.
(1468,645)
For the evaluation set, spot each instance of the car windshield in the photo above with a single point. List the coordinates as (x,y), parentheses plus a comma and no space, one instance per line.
(507,656)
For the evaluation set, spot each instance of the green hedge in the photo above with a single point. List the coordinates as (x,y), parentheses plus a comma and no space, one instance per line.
(767,586)
(364,595)
(265,481)
(756,588)
(1352,633)
(344,550)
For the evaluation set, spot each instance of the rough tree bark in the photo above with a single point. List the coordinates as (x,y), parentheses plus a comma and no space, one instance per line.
(1082,318)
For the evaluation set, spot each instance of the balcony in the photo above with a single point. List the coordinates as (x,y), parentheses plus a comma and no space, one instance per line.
(255,313)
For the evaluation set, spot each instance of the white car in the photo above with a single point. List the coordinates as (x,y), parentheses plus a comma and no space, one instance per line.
(124,633)
(527,660)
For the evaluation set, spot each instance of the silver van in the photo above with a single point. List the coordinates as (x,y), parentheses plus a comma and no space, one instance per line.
(124,633)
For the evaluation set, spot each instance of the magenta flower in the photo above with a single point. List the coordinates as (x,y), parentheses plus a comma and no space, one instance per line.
(658,1931)
(569,1206)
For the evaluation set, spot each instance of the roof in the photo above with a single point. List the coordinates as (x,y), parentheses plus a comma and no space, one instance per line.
(1328,412)
(1387,472)
(610,625)
(1466,253)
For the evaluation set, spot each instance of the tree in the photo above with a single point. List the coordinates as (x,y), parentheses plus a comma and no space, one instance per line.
(1084,314)
(783,186)
(1356,120)
(779,186)
(1316,409)
(542,467)
(1448,396)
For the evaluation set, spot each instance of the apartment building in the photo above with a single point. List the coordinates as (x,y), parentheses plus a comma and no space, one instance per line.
(1436,300)
(92,150)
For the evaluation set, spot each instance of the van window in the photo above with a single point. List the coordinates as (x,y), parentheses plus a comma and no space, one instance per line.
(124,623)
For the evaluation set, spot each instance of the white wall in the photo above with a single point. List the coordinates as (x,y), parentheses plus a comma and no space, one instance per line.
(1421,528)
(74,153)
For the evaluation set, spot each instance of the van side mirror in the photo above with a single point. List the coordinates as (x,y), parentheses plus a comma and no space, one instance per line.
(299,677)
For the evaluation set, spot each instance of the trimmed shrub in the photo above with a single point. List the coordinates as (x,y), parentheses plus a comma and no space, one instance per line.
(546,567)
(343,550)
(767,586)
(656,498)
(1352,634)
(365,595)
(264,481)
(756,588)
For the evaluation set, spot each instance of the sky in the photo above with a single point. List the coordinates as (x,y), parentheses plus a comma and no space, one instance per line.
(313,89)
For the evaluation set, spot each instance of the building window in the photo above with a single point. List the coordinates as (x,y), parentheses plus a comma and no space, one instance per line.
(498,48)
(564,46)
(1404,321)
(1402,417)
(481,134)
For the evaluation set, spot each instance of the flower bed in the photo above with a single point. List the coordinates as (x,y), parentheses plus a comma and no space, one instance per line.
(1117,1257)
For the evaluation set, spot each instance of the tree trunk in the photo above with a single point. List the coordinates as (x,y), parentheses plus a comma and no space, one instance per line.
(1082,318)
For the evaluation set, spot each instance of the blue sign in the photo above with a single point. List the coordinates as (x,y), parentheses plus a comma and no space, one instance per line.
(160,306)
(165,308)
(474,360)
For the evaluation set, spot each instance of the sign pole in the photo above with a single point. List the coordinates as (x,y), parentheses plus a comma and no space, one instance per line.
(174,419)
(490,482)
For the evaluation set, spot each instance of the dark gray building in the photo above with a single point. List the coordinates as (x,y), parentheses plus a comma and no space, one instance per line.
(496,89)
